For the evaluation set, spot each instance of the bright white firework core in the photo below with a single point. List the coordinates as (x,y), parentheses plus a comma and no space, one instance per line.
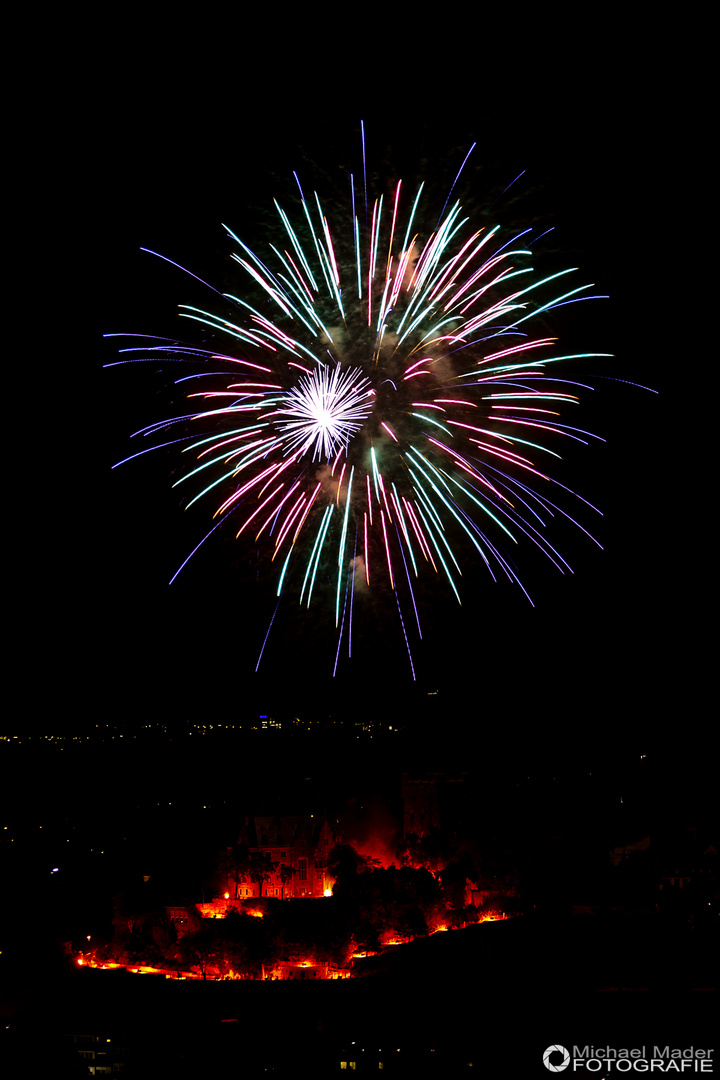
(325,409)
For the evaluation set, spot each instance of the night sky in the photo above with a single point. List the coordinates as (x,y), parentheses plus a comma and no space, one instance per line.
(162,171)
(132,156)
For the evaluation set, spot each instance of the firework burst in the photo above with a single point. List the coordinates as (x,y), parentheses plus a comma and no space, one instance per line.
(382,406)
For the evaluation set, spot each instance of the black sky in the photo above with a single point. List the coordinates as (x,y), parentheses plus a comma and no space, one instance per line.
(144,160)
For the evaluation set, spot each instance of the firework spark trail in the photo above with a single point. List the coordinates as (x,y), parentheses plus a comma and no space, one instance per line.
(418,410)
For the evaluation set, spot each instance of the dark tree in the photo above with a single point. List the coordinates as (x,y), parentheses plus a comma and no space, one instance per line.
(345,862)
(286,875)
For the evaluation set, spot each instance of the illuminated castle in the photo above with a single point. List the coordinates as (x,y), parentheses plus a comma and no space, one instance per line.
(297,848)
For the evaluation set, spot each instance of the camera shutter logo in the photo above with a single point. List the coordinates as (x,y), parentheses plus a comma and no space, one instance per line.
(556,1049)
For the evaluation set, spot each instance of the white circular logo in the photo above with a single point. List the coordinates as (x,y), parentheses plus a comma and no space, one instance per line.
(556,1049)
